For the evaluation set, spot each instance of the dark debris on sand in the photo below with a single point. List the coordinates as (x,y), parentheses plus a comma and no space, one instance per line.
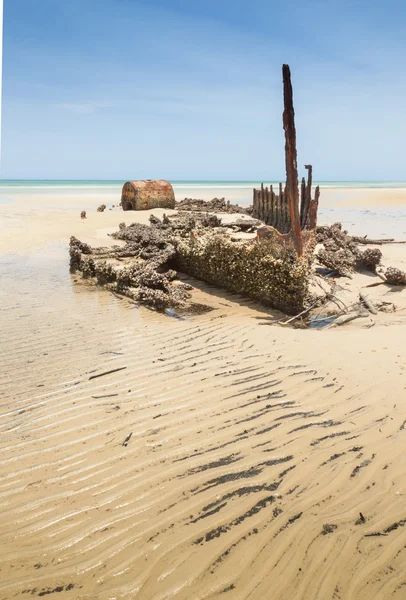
(341,253)
(218,205)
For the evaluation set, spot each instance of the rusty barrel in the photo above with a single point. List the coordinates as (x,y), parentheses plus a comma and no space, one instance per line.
(147,194)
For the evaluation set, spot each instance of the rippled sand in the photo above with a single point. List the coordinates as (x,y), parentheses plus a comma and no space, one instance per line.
(226,459)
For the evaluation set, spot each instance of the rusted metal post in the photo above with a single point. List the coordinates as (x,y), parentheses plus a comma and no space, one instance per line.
(309,181)
(266,203)
(272,207)
(302,200)
(285,227)
(308,197)
(291,160)
(278,207)
(313,209)
(254,204)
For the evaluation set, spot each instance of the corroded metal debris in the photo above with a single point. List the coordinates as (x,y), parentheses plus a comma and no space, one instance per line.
(292,188)
(282,210)
(147,194)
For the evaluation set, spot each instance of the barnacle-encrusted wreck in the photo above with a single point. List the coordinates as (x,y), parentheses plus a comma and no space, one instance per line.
(145,268)
(273,267)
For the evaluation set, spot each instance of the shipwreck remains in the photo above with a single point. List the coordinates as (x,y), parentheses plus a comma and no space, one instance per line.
(340,253)
(145,269)
(216,205)
(273,208)
(147,194)
(273,267)
(282,210)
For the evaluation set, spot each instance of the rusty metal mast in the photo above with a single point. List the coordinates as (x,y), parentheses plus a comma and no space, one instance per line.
(292,184)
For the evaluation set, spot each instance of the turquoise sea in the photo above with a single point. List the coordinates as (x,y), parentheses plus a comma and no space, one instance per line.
(110,190)
(374,207)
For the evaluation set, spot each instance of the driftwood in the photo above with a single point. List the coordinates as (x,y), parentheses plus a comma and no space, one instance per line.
(304,312)
(345,319)
(107,373)
(368,303)
(381,276)
(330,231)
(282,322)
(127,440)
(365,240)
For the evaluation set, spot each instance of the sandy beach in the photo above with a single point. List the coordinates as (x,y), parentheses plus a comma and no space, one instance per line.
(220,457)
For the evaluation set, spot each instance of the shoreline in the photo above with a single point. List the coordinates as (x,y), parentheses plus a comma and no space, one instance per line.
(54,215)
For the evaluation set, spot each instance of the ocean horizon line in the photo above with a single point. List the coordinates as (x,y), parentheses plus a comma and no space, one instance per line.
(187,181)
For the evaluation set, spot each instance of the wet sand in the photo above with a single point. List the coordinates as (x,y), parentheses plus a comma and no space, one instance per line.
(226,459)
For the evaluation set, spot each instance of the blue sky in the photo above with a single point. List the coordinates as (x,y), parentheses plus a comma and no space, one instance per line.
(191,89)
